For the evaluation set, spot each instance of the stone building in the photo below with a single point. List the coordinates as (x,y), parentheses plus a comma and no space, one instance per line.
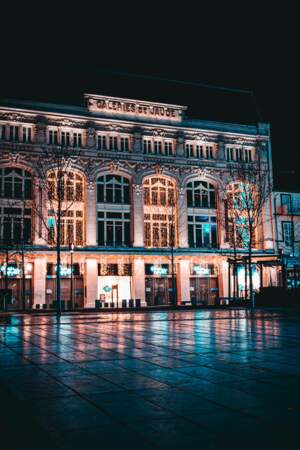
(287,232)
(149,204)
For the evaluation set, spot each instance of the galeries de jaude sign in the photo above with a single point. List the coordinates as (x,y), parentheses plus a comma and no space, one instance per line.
(121,106)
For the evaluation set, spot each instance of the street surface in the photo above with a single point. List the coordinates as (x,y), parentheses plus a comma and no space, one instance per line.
(187,380)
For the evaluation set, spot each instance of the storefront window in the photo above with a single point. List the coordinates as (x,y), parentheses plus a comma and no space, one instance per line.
(202,231)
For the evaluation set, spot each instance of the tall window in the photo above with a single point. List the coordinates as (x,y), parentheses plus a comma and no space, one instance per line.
(15,225)
(77,139)
(286,203)
(15,183)
(3,131)
(160,218)
(26,134)
(101,142)
(200,151)
(65,138)
(287,233)
(113,225)
(202,231)
(14,133)
(72,214)
(53,137)
(201,194)
(113,228)
(113,189)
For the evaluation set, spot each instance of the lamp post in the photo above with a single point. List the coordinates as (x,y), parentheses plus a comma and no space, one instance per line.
(72,297)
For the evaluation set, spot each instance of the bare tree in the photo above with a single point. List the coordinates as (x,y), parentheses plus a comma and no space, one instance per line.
(55,193)
(246,196)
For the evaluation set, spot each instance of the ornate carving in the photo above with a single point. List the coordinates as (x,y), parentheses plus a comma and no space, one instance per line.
(13,117)
(137,189)
(114,166)
(159,132)
(14,158)
(158,169)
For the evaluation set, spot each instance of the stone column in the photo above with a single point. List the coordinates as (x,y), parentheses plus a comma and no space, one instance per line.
(40,130)
(138,280)
(91,282)
(221,149)
(91,135)
(138,215)
(182,219)
(39,280)
(91,215)
(137,142)
(183,281)
(180,145)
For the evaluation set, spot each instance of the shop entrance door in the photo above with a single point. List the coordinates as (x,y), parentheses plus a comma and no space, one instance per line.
(115,295)
(204,290)
(158,291)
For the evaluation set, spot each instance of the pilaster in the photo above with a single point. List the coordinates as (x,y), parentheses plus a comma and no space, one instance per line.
(182,219)
(138,216)
(183,281)
(91,282)
(91,215)
(39,280)
(139,280)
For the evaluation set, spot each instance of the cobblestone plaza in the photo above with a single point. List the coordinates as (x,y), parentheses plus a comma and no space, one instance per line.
(164,380)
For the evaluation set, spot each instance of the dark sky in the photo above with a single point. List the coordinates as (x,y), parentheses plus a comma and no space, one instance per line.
(55,54)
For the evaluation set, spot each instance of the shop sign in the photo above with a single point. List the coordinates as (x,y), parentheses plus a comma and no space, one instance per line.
(158,270)
(106,288)
(200,270)
(65,271)
(12,271)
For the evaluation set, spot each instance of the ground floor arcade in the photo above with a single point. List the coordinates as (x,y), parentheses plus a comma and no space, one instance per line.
(112,280)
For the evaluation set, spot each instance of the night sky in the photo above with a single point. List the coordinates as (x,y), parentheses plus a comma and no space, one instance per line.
(56,54)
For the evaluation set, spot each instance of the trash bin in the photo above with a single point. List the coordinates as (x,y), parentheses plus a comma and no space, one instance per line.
(97,304)
(124,303)
(70,304)
(131,303)
(105,305)
(37,306)
(44,305)
(112,304)
(137,302)
(62,305)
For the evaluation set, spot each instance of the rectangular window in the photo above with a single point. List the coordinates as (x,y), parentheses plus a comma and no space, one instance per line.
(26,134)
(248,155)
(101,142)
(168,148)
(3,132)
(189,150)
(14,133)
(77,140)
(287,232)
(53,137)
(209,152)
(124,144)
(65,138)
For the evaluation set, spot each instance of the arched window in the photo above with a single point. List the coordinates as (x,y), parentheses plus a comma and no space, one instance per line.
(202,226)
(15,183)
(240,215)
(113,189)
(159,192)
(160,216)
(201,194)
(71,195)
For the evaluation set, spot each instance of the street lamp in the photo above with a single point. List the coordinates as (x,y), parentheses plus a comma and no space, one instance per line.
(71,252)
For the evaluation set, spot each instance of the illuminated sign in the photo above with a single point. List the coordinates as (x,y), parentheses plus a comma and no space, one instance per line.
(65,271)
(241,278)
(12,271)
(113,105)
(106,288)
(158,270)
(199,270)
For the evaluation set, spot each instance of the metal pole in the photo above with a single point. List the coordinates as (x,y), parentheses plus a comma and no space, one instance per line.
(229,280)
(72,296)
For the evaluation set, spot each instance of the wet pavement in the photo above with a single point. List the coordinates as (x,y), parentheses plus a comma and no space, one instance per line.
(162,380)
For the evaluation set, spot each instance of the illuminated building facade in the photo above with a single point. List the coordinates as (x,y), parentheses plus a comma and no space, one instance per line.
(147,189)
